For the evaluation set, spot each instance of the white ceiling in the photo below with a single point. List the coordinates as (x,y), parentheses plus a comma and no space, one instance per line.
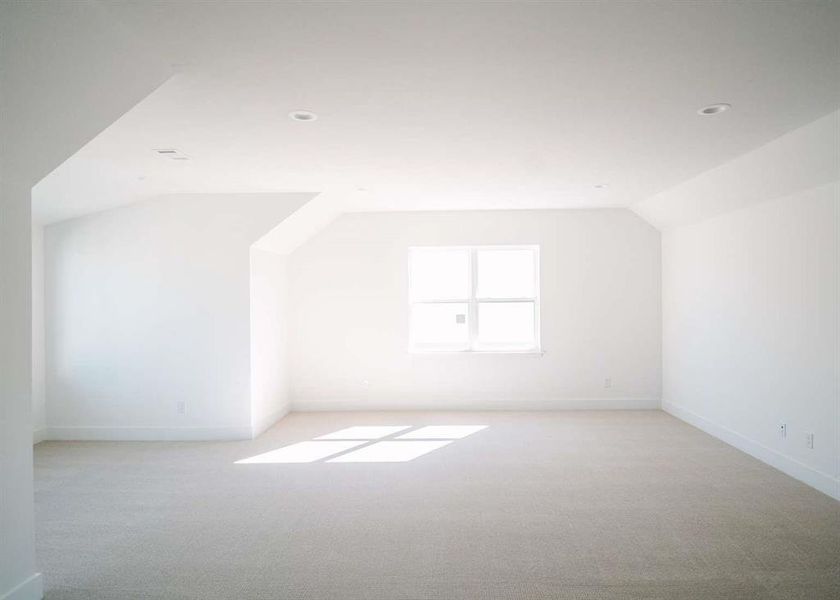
(453,105)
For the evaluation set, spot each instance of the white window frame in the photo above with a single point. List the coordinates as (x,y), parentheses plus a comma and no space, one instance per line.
(473,345)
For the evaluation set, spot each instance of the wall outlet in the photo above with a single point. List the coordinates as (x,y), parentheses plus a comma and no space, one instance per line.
(783,430)
(809,440)
(181,407)
(608,383)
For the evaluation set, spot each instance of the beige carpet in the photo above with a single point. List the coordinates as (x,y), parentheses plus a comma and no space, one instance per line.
(594,505)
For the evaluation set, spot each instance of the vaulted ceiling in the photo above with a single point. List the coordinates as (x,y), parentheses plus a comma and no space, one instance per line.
(452,105)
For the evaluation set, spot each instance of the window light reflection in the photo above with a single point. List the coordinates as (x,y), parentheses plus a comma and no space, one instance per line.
(367,443)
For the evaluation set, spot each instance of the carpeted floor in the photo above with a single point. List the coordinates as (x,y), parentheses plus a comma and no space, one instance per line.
(583,505)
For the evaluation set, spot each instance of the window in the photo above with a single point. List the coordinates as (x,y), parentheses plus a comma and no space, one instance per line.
(474,299)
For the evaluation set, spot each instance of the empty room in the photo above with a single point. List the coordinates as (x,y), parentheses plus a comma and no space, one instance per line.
(419,300)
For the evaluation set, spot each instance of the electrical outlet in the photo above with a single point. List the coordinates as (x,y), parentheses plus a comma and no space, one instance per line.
(181,407)
(809,440)
(783,430)
(608,383)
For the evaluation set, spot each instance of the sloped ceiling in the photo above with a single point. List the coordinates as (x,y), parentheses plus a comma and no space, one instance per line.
(802,159)
(453,105)
(47,47)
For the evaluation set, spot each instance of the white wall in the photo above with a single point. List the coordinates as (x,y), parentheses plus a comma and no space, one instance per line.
(269,340)
(751,317)
(36,136)
(600,288)
(148,306)
(39,395)
(18,574)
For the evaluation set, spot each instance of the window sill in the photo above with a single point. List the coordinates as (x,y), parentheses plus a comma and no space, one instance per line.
(533,352)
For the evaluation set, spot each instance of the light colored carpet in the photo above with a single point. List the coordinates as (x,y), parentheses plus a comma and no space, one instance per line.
(583,505)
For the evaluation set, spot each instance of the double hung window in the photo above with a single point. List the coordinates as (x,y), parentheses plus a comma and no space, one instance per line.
(474,298)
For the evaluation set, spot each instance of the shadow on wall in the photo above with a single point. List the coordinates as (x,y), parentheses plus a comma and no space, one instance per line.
(368,443)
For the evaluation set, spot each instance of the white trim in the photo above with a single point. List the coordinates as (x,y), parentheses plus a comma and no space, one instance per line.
(148,434)
(818,480)
(483,404)
(472,307)
(535,352)
(32,588)
(39,435)
(268,421)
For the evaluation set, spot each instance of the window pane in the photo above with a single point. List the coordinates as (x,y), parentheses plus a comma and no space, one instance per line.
(506,323)
(440,274)
(506,273)
(440,325)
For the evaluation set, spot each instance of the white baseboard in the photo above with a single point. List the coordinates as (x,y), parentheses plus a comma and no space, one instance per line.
(816,479)
(155,434)
(355,404)
(262,424)
(148,434)
(32,588)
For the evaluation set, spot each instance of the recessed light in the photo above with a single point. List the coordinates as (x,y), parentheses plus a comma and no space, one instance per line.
(601,186)
(303,115)
(714,109)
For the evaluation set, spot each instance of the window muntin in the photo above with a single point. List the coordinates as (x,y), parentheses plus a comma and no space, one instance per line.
(474,298)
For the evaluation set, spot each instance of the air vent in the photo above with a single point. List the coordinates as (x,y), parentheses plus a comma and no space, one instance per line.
(171,154)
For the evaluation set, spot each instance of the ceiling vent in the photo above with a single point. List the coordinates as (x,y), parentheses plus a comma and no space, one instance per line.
(171,154)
